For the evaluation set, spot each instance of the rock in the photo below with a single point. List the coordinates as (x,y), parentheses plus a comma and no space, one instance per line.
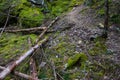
(79,42)
(42,64)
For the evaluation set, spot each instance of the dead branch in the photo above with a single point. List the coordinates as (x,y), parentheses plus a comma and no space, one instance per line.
(54,71)
(19,74)
(33,70)
(25,30)
(5,23)
(39,37)
(11,67)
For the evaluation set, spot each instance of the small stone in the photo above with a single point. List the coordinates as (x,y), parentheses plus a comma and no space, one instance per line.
(76,52)
(56,56)
(79,42)
(100,25)
(105,77)
(42,64)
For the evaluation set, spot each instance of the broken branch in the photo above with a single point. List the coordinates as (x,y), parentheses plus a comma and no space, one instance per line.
(39,37)
(19,74)
(26,30)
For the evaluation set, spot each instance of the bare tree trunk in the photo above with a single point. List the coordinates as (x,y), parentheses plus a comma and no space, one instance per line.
(105,33)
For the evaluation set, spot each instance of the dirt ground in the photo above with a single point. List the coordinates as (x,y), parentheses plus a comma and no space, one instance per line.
(83,23)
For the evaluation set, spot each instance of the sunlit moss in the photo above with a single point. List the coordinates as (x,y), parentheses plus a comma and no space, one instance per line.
(77,59)
(12,45)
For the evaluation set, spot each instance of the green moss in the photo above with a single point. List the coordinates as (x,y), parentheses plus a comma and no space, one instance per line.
(59,6)
(101,12)
(77,59)
(115,18)
(12,45)
(27,13)
(32,15)
(98,48)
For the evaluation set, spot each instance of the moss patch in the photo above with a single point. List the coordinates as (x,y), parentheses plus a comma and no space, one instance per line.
(98,48)
(77,59)
(12,45)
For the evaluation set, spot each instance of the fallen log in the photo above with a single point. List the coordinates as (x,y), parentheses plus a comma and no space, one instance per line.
(19,74)
(11,67)
(25,30)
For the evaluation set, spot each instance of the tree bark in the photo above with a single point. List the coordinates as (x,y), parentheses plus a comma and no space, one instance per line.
(105,33)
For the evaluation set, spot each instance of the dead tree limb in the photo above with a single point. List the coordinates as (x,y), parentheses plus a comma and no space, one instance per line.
(5,22)
(39,37)
(33,70)
(11,67)
(19,74)
(26,30)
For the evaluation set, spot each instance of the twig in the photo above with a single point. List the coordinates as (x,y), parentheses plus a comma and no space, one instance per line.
(5,22)
(50,64)
(19,74)
(39,37)
(53,66)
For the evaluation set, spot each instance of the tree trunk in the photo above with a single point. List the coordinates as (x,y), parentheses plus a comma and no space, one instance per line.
(105,33)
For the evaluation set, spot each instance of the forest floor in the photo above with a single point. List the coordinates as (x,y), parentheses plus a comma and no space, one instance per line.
(83,22)
(74,31)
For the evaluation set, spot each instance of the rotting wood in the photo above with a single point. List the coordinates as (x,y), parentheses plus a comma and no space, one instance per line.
(25,30)
(19,74)
(11,67)
(33,70)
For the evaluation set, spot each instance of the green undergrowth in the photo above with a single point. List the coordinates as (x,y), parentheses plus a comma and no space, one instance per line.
(12,45)
(64,55)
(77,59)
(98,48)
(30,15)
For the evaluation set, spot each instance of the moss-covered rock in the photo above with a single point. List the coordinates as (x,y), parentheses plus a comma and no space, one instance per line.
(30,15)
(77,59)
